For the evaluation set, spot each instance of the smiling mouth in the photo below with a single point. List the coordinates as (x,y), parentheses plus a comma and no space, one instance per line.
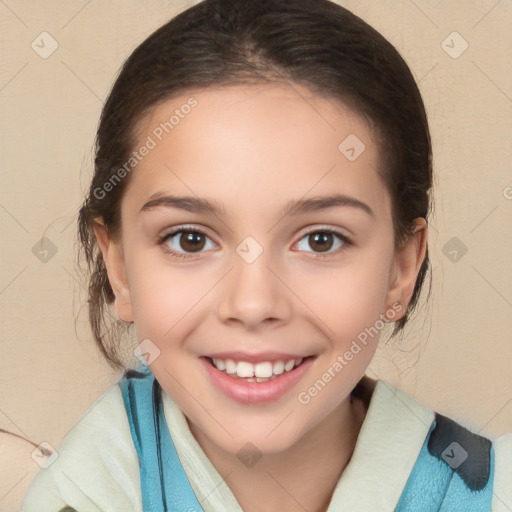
(264,371)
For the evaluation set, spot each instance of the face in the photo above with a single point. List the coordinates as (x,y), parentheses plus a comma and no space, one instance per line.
(281,276)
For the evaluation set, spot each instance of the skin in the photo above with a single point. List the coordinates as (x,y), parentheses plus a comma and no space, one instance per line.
(253,149)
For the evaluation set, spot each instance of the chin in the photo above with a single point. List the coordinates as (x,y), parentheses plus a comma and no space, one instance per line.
(261,437)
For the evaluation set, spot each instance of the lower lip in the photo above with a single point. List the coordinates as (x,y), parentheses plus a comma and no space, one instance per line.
(256,392)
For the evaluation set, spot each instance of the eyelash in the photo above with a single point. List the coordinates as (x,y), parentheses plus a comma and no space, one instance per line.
(161,241)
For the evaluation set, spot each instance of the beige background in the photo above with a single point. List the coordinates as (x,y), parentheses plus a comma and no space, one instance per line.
(456,357)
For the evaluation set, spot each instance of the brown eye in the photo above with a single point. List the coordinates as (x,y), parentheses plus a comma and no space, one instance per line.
(321,241)
(324,242)
(182,242)
(192,241)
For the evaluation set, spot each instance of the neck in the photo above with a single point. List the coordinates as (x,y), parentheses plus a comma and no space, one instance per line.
(303,476)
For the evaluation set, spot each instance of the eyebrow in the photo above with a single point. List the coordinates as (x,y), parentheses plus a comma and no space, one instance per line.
(294,207)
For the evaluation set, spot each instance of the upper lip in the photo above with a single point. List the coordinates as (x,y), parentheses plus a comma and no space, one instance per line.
(256,358)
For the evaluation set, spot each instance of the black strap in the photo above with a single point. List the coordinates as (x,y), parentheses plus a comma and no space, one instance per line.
(467,453)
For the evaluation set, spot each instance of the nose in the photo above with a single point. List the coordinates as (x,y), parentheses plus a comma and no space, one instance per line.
(254,295)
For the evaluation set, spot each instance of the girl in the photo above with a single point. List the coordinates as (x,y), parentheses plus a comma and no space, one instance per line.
(259,213)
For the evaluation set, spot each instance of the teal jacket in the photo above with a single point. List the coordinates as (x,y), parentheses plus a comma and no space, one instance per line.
(453,472)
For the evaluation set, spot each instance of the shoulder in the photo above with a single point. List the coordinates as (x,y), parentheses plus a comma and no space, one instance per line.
(465,452)
(441,461)
(480,462)
(457,467)
(96,466)
(502,492)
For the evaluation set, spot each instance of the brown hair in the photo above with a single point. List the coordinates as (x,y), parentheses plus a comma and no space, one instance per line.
(315,43)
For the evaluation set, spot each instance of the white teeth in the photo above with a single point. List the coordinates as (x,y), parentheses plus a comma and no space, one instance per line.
(263,370)
(278,368)
(289,365)
(230,366)
(219,363)
(244,369)
(257,379)
(260,372)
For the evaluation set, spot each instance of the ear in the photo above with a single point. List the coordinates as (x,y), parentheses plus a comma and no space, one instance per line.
(114,262)
(406,265)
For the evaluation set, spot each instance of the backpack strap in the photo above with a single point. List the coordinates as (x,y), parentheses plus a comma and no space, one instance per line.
(454,471)
(164,484)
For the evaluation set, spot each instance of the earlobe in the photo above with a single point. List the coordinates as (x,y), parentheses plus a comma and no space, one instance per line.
(406,266)
(114,263)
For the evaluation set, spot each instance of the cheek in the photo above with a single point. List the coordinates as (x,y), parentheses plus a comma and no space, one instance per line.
(166,299)
(349,298)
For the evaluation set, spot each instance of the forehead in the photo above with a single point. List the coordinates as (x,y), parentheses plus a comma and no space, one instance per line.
(255,143)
